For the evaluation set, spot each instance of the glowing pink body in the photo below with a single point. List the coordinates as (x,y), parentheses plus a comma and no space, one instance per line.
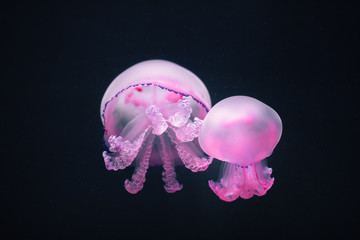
(242,132)
(152,114)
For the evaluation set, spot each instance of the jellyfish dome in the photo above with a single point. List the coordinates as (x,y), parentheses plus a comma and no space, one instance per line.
(152,114)
(242,132)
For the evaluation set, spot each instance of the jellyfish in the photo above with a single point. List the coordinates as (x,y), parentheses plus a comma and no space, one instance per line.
(152,114)
(242,132)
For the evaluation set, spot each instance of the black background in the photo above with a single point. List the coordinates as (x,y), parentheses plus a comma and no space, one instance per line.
(299,57)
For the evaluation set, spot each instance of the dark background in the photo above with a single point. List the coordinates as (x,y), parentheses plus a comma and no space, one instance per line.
(299,57)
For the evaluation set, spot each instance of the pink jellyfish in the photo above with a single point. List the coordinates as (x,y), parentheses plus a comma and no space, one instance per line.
(152,114)
(242,132)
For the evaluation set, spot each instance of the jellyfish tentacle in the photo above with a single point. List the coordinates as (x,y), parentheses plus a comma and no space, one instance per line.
(158,121)
(180,122)
(263,176)
(188,132)
(227,187)
(252,185)
(243,181)
(180,118)
(191,158)
(124,147)
(122,152)
(169,174)
(138,177)
(190,154)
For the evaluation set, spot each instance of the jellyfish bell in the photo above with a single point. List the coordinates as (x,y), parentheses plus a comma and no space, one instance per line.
(152,114)
(241,131)
(163,74)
